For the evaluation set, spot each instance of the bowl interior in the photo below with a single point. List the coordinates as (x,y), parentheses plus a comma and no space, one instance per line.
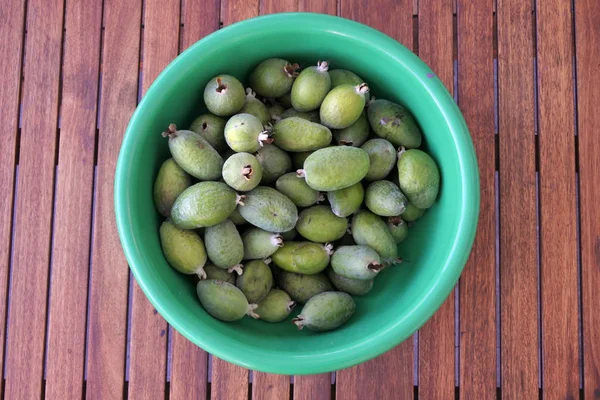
(404,296)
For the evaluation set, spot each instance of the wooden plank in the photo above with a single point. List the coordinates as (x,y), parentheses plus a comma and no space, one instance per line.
(73,209)
(233,11)
(199,19)
(148,347)
(518,250)
(270,386)
(34,204)
(395,20)
(318,6)
(587,24)
(228,381)
(277,6)
(557,200)
(12,31)
(312,387)
(477,284)
(109,280)
(436,338)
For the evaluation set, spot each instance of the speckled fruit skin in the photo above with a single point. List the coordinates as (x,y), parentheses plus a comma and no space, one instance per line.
(274,161)
(203,204)
(254,106)
(382,157)
(219,274)
(398,228)
(354,287)
(343,76)
(370,230)
(256,281)
(298,134)
(319,224)
(334,168)
(245,133)
(412,213)
(393,122)
(260,244)
(342,106)
(419,177)
(302,287)
(355,134)
(170,182)
(302,257)
(224,95)
(224,244)
(312,116)
(211,128)
(356,262)
(276,306)
(310,87)
(270,78)
(345,202)
(385,199)
(242,172)
(183,249)
(270,210)
(297,190)
(326,311)
(223,300)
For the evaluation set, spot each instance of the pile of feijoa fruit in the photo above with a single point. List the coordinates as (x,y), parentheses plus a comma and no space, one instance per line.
(295,190)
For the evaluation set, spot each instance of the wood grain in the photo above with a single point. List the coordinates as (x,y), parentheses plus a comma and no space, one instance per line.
(587,23)
(148,347)
(436,338)
(11,52)
(557,200)
(270,386)
(277,6)
(395,20)
(318,6)
(73,209)
(228,381)
(199,19)
(477,284)
(518,249)
(109,280)
(233,11)
(34,203)
(312,387)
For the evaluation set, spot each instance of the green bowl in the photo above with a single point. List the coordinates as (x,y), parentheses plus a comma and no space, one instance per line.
(404,297)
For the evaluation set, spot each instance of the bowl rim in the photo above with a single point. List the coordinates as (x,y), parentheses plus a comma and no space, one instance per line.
(468,210)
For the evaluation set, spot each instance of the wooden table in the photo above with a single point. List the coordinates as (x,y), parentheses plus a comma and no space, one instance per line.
(525,317)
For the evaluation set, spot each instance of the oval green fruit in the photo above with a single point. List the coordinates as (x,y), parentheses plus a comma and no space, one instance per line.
(369,229)
(382,157)
(254,106)
(334,168)
(183,249)
(194,154)
(276,306)
(260,244)
(170,182)
(312,116)
(297,134)
(245,133)
(345,202)
(276,110)
(319,224)
(270,210)
(273,77)
(311,87)
(297,190)
(326,311)
(224,95)
(384,198)
(212,129)
(242,171)
(256,281)
(355,287)
(356,262)
(204,204)
(343,76)
(393,122)
(303,257)
(343,105)
(224,244)
(219,274)
(223,300)
(398,228)
(412,213)
(302,287)
(237,218)
(354,135)
(419,177)
(274,161)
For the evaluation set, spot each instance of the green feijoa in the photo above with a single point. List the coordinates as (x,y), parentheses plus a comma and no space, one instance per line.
(303,257)
(299,158)
(274,161)
(256,281)
(170,182)
(204,204)
(419,177)
(393,122)
(289,235)
(254,106)
(356,262)
(319,224)
(219,274)
(260,244)
(382,157)
(237,218)
(273,77)
(298,134)
(242,171)
(369,229)
(223,300)
(343,76)
(224,95)
(212,129)
(194,154)
(355,134)
(302,287)
(398,228)
(334,168)
(326,311)
(355,287)
(412,213)
(275,110)
(311,87)
(346,201)
(343,105)
(276,306)
(183,249)
(286,100)
(245,133)
(224,245)
(270,210)
(384,198)
(297,190)
(312,116)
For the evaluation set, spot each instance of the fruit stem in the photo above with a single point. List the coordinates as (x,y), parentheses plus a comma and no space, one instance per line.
(320,197)
(239,268)
(301,173)
(328,248)
(396,221)
(370,101)
(268,260)
(250,312)
(322,66)
(291,305)
(299,321)
(264,137)
(171,131)
(362,88)
(221,86)
(397,260)
(375,267)
(401,151)
(346,143)
(247,172)
(290,70)
(240,198)
(277,240)
(250,93)
(201,273)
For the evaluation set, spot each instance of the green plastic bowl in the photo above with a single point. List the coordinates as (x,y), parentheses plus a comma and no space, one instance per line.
(404,297)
